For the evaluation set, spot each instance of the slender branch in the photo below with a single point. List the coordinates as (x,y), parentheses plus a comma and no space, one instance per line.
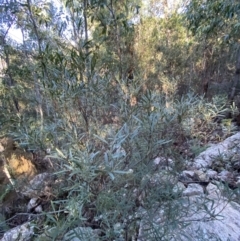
(31,214)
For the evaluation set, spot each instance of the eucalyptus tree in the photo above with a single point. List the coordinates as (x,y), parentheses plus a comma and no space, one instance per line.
(216,23)
(7,19)
(114,32)
(26,64)
(163,48)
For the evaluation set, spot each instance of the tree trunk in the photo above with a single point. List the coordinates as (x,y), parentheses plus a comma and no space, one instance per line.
(236,80)
(86,40)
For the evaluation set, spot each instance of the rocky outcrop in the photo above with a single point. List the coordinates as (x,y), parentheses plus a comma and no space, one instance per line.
(224,150)
(210,217)
(219,220)
(208,210)
(22,232)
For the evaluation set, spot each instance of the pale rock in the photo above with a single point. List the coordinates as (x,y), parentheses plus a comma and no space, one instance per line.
(188,177)
(238,181)
(145,232)
(213,190)
(205,159)
(211,174)
(32,204)
(163,176)
(200,217)
(221,221)
(225,176)
(202,176)
(22,232)
(193,189)
(157,161)
(163,162)
(1,148)
(38,209)
(38,186)
(187,173)
(223,225)
(179,187)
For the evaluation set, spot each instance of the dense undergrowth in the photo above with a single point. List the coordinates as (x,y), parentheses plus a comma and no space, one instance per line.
(108,88)
(104,154)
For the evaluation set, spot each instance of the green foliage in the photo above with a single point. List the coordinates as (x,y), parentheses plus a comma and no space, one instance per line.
(109,174)
(104,128)
(211,17)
